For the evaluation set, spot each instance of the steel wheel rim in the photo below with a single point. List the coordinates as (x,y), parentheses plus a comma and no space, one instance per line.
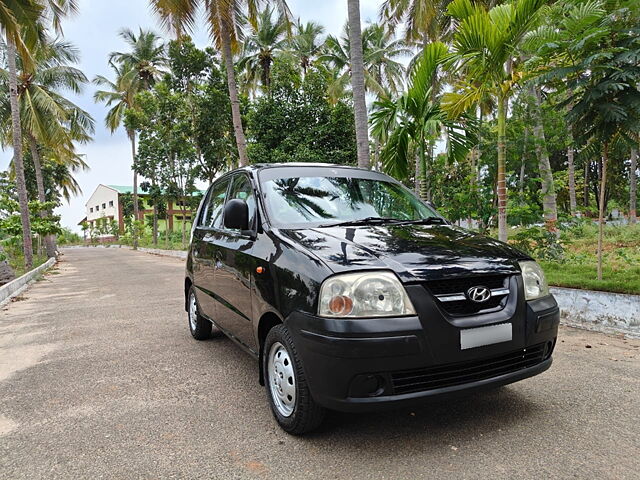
(282,380)
(193,312)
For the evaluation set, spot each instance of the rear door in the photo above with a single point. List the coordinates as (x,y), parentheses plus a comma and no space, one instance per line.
(234,269)
(205,252)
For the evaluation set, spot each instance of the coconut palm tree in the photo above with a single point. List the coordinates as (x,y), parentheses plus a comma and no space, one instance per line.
(224,18)
(267,38)
(383,71)
(146,55)
(16,17)
(21,22)
(118,96)
(484,48)
(306,44)
(136,70)
(357,82)
(47,118)
(414,120)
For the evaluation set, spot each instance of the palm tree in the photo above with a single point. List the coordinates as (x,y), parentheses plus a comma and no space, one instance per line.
(146,55)
(383,71)
(224,19)
(119,95)
(47,118)
(15,18)
(484,48)
(357,83)
(415,119)
(22,20)
(266,39)
(136,70)
(305,45)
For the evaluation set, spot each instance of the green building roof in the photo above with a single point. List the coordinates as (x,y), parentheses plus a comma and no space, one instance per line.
(129,189)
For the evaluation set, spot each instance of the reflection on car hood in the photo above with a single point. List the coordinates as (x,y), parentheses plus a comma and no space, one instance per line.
(414,252)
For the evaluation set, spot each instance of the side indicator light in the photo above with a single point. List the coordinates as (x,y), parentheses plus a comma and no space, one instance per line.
(260,270)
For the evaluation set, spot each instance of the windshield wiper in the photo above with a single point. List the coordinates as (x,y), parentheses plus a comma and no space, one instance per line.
(364,221)
(425,221)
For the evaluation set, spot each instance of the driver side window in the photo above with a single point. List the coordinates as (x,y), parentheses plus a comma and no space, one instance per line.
(242,189)
(212,216)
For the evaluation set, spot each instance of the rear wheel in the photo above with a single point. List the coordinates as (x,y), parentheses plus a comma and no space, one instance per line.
(199,326)
(287,389)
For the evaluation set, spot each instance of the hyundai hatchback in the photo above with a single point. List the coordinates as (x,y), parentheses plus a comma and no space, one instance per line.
(353,294)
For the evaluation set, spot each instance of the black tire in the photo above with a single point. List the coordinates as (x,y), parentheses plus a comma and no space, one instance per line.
(307,414)
(200,327)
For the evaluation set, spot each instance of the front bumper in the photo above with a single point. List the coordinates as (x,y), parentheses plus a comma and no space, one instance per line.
(369,364)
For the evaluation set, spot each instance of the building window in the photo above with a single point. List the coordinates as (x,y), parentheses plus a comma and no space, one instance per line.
(179,217)
(104,205)
(91,210)
(182,203)
(111,203)
(97,207)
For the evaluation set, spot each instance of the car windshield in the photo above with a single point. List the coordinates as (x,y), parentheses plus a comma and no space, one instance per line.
(317,200)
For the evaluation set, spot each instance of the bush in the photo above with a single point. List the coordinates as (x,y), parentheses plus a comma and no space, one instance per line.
(539,243)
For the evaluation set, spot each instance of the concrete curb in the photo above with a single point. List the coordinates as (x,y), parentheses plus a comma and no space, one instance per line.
(17,286)
(602,311)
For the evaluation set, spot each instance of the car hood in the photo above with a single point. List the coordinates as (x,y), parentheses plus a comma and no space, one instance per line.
(414,252)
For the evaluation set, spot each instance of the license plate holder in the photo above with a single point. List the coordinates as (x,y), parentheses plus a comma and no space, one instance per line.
(489,335)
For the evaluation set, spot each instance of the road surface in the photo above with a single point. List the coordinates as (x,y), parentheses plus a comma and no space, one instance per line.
(99,378)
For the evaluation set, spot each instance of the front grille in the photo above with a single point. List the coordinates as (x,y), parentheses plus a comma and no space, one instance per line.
(409,381)
(461,285)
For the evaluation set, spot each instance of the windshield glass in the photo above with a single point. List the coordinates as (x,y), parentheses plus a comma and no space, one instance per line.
(316,200)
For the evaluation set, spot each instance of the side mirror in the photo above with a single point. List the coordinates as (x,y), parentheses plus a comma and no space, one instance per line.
(236,215)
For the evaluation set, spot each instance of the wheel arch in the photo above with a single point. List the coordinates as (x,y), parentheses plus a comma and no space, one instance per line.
(267,321)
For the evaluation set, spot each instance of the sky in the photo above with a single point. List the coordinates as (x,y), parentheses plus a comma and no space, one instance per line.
(95,32)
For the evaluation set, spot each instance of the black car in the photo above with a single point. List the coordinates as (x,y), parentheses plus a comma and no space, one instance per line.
(353,294)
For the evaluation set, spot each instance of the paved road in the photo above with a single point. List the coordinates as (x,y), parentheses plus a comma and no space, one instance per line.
(99,378)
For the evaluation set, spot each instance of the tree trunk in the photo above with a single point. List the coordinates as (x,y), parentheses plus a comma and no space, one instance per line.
(357,83)
(184,224)
(241,141)
(42,197)
(423,172)
(573,203)
(501,174)
(136,233)
(549,204)
(603,184)
(523,163)
(417,175)
(585,188)
(18,162)
(633,186)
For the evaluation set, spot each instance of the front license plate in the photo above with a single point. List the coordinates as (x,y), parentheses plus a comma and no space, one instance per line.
(478,337)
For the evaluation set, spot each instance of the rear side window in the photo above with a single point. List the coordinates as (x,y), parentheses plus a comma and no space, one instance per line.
(212,216)
(241,189)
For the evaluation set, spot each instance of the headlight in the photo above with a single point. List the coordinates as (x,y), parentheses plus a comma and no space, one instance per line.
(535,285)
(366,294)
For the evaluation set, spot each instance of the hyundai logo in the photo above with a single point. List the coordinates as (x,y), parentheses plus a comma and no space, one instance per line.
(479,294)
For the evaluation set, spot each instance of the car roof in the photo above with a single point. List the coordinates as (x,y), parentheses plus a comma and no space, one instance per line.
(262,166)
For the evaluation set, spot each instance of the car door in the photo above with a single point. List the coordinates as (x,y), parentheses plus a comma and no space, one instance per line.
(234,268)
(205,251)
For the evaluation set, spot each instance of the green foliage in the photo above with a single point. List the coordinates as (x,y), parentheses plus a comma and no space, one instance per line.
(539,243)
(296,123)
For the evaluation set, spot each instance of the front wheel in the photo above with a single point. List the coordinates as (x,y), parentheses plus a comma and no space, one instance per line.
(199,326)
(287,389)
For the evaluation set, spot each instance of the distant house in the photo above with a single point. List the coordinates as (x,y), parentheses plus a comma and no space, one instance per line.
(105,205)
